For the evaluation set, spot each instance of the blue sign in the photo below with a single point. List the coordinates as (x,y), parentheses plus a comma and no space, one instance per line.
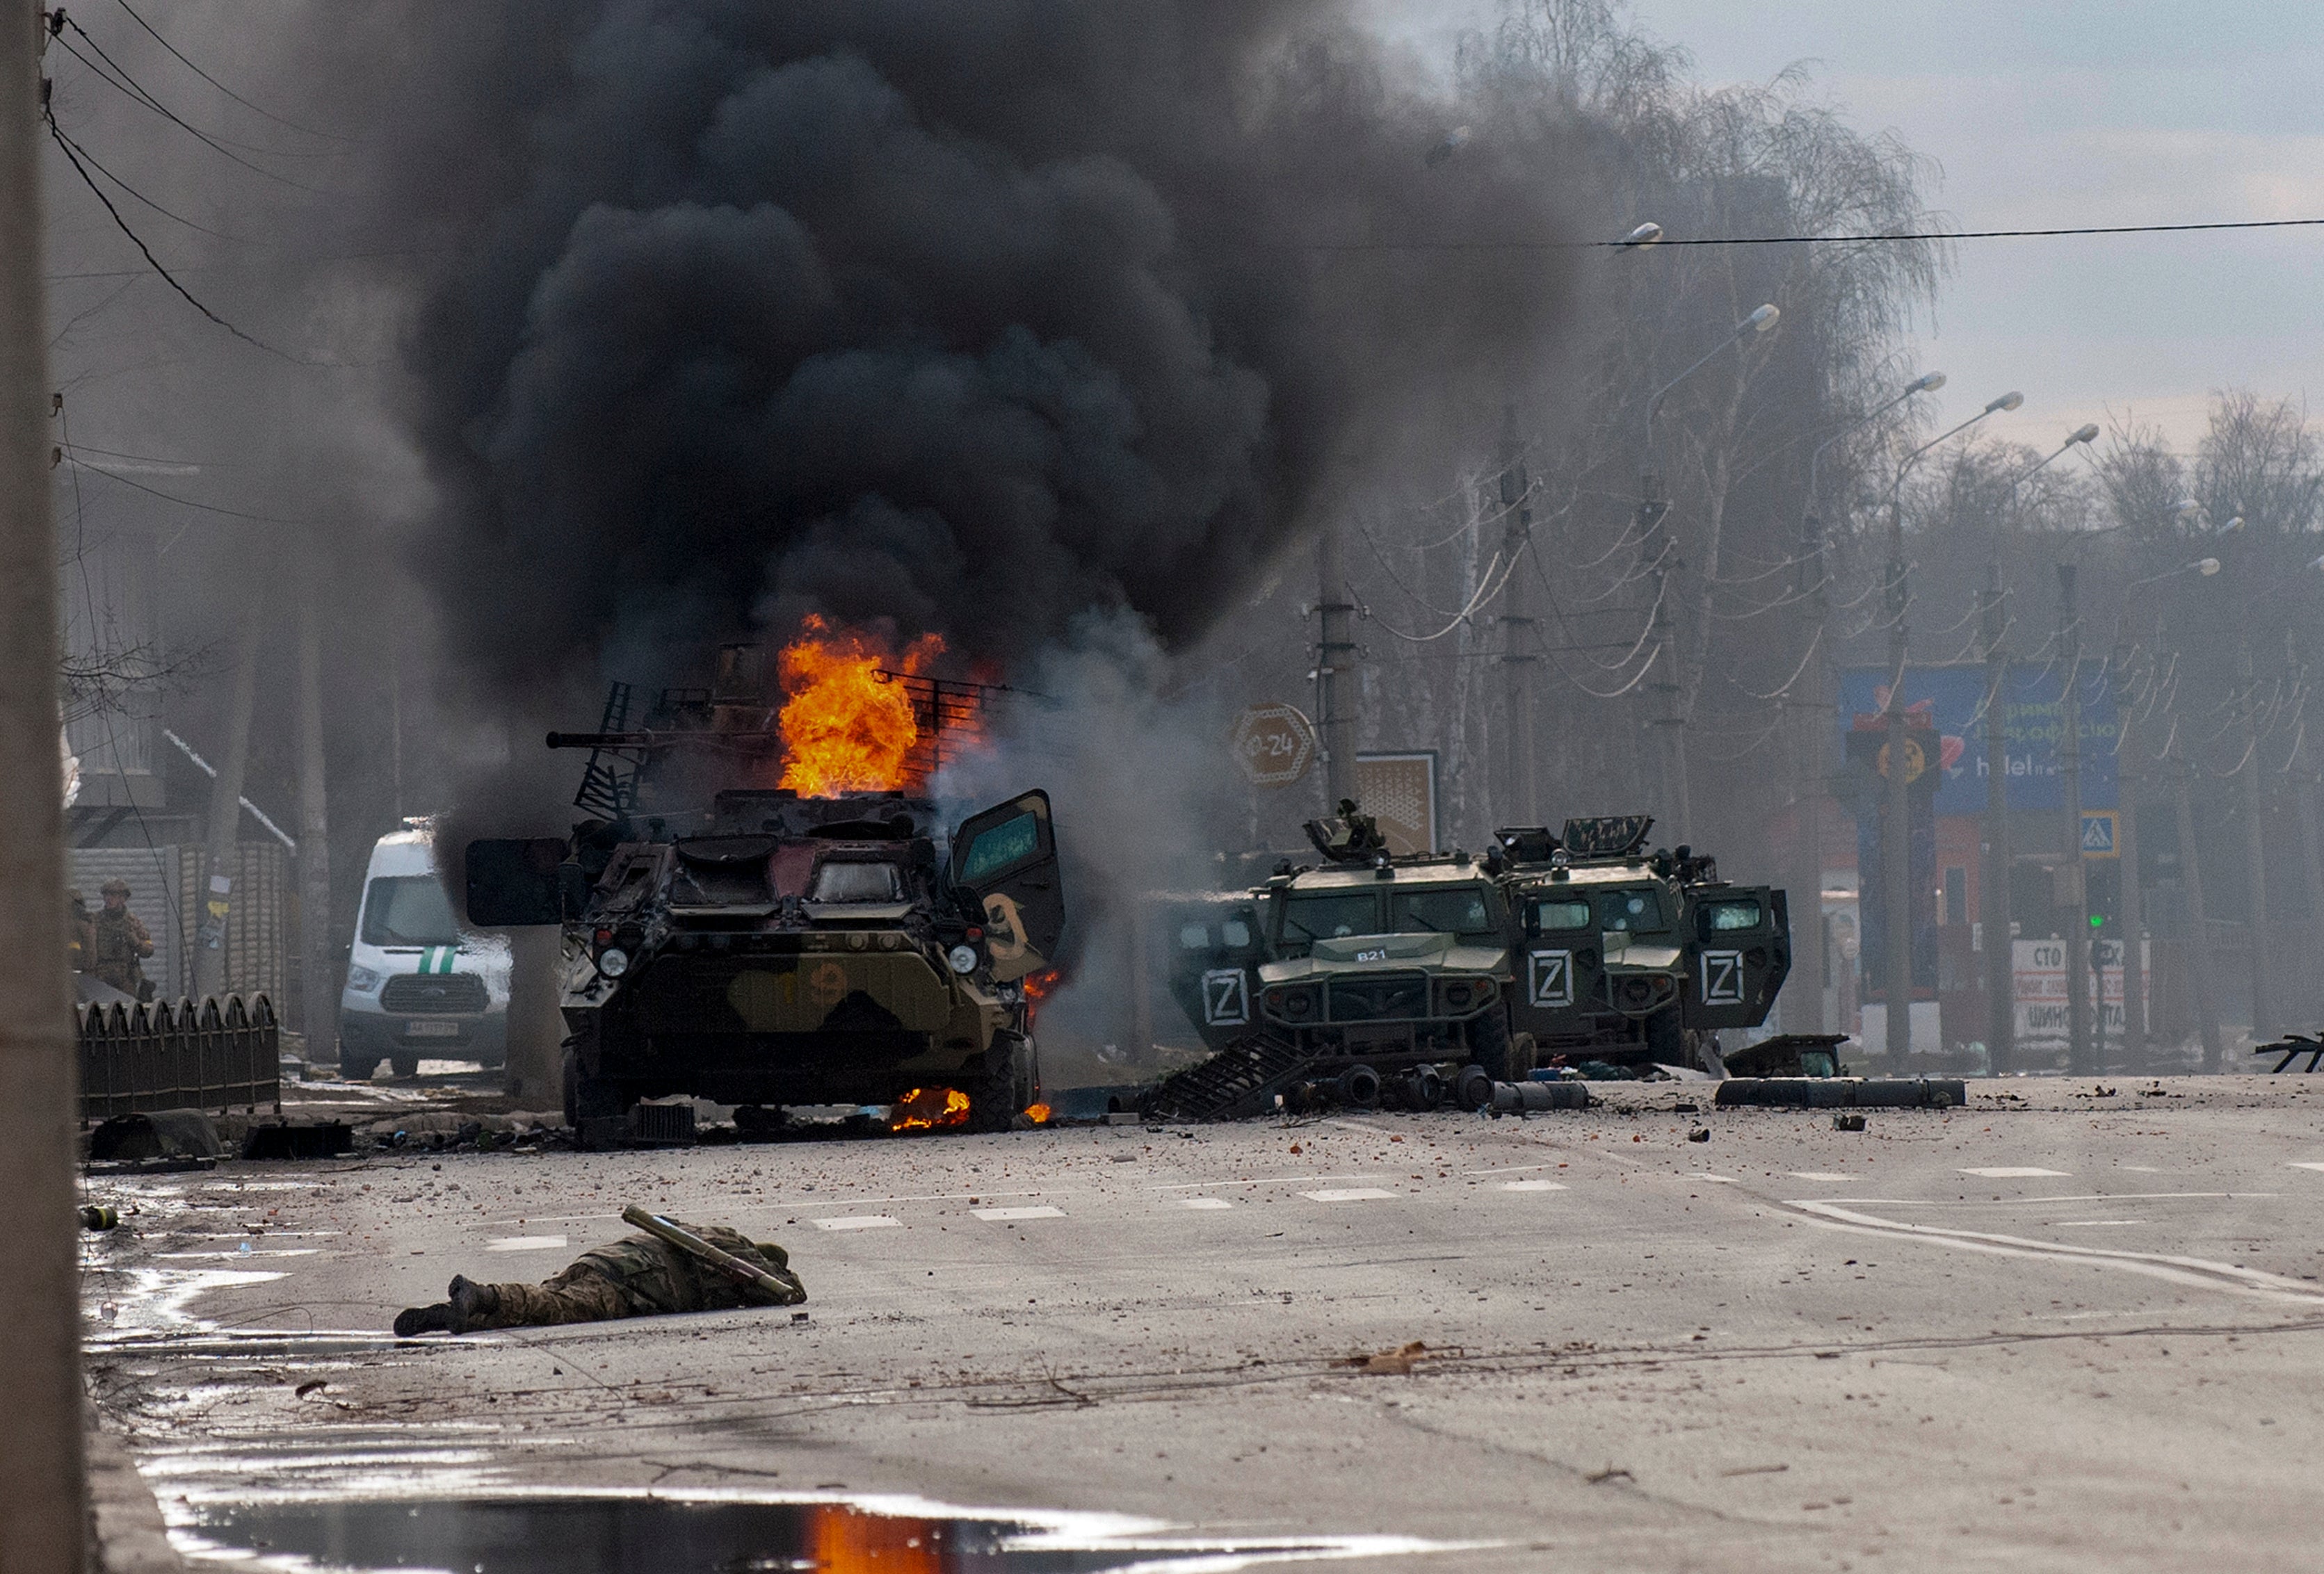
(2032,724)
(2097,834)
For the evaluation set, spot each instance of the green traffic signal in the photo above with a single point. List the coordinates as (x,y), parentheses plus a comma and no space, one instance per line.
(2098,920)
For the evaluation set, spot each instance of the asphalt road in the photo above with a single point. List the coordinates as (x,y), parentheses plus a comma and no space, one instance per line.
(2057,1330)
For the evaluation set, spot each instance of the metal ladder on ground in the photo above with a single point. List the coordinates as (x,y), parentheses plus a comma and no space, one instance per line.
(1232,1085)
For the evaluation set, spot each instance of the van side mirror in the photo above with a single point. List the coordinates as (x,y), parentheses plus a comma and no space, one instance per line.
(515,882)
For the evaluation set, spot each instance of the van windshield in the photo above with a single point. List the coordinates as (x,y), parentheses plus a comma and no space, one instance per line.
(408,909)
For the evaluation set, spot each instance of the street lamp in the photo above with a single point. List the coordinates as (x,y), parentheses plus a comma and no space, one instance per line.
(1650,513)
(1645,236)
(1758,322)
(1809,959)
(1895,837)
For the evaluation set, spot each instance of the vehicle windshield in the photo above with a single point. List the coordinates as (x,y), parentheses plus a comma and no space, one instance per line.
(1459,911)
(408,909)
(1627,910)
(1327,915)
(857,882)
(1562,914)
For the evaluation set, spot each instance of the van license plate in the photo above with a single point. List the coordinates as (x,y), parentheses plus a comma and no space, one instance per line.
(432,1030)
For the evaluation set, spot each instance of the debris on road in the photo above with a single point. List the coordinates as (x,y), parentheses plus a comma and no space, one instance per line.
(1845,1093)
(1394,1363)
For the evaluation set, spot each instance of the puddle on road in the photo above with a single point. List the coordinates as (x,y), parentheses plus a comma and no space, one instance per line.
(629,1534)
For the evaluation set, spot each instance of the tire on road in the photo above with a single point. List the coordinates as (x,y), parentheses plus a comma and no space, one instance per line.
(1005,1087)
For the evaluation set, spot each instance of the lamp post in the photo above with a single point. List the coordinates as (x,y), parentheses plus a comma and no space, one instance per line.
(1995,919)
(1896,831)
(1808,977)
(1651,511)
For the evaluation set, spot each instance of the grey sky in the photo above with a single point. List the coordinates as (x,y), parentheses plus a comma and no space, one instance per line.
(2066,112)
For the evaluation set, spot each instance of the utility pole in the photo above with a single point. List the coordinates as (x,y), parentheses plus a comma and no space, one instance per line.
(2255,851)
(318,962)
(43,1514)
(2079,1058)
(1993,882)
(2191,873)
(1517,628)
(1335,656)
(1896,824)
(1668,752)
(2132,904)
(1814,713)
(2302,787)
(223,861)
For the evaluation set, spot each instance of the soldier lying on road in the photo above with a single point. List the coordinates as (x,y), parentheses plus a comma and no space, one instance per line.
(638,1275)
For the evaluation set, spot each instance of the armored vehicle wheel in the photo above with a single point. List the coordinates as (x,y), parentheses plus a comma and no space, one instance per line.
(586,1098)
(1523,1057)
(1493,1049)
(406,1066)
(1005,1086)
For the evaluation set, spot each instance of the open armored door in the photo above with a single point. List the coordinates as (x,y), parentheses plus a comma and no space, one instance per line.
(1004,865)
(1739,955)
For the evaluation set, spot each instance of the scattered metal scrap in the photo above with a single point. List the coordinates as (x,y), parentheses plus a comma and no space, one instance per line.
(2294,1046)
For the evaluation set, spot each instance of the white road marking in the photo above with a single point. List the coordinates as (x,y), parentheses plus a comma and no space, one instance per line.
(2012,1172)
(1718,1180)
(1263,1181)
(2198,1273)
(1532,1185)
(1205,1203)
(525,1243)
(860,1222)
(2094,1223)
(295,1251)
(1347,1194)
(1508,1170)
(1817,1175)
(2305,1164)
(2141,1169)
(997,1215)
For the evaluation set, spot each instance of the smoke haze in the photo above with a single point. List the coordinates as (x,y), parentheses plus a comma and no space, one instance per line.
(968,318)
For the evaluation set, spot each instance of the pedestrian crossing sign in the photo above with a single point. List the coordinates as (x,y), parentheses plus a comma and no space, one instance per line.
(2098,834)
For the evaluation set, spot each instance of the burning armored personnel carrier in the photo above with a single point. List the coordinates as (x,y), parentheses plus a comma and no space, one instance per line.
(763,947)
(1412,979)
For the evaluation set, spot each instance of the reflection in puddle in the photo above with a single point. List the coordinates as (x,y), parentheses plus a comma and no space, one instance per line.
(605,1535)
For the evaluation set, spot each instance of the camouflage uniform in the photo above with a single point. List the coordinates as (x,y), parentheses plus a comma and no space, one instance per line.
(119,940)
(638,1275)
(80,935)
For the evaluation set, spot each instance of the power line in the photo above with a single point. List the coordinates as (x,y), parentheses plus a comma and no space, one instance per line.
(175,218)
(137,93)
(213,81)
(72,158)
(1889,236)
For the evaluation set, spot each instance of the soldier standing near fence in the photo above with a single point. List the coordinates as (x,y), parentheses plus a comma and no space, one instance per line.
(120,943)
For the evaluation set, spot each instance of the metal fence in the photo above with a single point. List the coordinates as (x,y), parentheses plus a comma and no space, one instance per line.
(195,1054)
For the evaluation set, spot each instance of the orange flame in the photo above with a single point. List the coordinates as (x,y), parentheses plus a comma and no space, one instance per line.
(928,1110)
(844,728)
(1039,1114)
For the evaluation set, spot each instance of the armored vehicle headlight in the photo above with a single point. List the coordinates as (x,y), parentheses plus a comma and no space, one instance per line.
(613,962)
(363,980)
(962,958)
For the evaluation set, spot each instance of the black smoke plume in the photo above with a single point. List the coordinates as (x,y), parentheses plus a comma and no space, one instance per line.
(968,316)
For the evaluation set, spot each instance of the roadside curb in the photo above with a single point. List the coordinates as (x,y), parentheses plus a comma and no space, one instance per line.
(127,1534)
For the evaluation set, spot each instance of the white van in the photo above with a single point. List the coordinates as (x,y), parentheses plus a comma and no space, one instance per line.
(417,986)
